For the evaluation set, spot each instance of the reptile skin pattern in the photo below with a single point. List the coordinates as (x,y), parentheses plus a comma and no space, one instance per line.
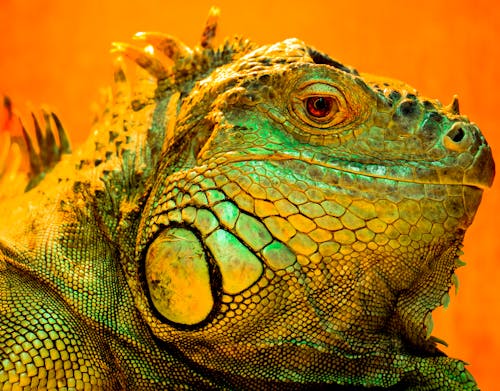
(242,217)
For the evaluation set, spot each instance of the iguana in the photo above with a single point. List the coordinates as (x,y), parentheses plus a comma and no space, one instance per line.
(242,217)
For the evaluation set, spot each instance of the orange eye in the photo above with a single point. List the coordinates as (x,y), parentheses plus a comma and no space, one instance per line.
(321,106)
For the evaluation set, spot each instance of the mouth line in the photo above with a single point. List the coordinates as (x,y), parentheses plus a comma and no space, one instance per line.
(350,168)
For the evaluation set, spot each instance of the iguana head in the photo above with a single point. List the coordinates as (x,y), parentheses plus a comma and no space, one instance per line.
(305,219)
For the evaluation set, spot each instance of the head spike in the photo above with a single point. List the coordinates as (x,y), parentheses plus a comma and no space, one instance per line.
(39,136)
(65,145)
(34,159)
(455,281)
(10,163)
(142,58)
(7,117)
(438,340)
(50,141)
(454,107)
(5,146)
(210,28)
(121,88)
(171,47)
(7,104)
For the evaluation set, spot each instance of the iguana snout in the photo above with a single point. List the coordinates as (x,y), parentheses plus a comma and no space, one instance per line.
(419,140)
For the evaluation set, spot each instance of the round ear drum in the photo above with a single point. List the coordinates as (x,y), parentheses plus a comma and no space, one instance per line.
(179,277)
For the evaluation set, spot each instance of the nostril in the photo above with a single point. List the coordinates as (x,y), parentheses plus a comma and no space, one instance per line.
(456,134)
(458,137)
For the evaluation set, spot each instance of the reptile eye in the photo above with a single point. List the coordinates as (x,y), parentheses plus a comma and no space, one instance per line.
(321,106)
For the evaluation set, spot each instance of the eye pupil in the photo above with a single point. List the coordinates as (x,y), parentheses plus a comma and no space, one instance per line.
(320,106)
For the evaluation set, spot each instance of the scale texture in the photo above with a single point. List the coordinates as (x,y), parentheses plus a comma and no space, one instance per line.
(242,217)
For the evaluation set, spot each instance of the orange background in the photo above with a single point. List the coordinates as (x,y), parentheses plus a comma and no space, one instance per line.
(57,52)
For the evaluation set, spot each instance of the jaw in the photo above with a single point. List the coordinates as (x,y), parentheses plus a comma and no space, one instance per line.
(292,367)
(413,311)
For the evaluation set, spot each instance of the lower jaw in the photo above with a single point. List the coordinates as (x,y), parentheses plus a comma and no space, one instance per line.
(293,368)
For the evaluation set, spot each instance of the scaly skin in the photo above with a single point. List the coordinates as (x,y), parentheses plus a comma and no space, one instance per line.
(249,218)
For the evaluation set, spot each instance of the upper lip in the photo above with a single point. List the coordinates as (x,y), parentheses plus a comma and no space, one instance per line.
(479,174)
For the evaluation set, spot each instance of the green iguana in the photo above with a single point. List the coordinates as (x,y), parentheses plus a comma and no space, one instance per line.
(242,217)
